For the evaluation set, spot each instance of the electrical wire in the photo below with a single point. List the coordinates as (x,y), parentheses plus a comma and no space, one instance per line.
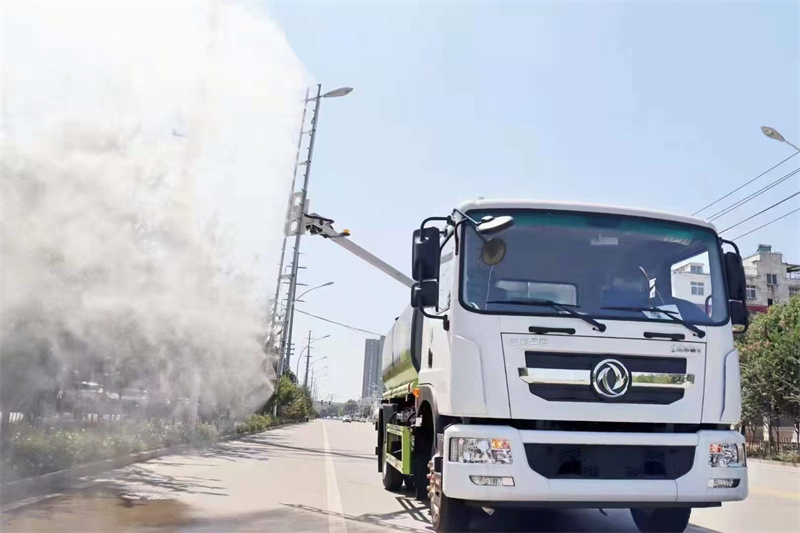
(762,211)
(746,199)
(767,224)
(744,185)
(339,323)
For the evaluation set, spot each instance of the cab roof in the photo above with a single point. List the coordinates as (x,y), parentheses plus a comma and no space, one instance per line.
(583,207)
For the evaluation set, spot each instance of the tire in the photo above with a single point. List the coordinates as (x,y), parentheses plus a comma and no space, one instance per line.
(423,451)
(447,514)
(392,479)
(668,520)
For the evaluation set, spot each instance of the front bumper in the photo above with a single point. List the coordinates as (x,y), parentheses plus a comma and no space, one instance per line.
(691,487)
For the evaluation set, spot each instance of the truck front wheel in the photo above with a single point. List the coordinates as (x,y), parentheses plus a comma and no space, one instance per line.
(669,520)
(447,515)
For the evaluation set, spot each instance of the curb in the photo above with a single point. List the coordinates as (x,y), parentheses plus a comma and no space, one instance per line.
(771,462)
(22,488)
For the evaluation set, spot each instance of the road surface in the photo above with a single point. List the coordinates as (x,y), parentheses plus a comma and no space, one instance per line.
(322,477)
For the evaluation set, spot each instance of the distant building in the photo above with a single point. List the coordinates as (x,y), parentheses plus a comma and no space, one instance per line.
(692,282)
(371,383)
(770,280)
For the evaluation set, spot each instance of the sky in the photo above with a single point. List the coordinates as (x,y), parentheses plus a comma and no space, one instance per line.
(650,105)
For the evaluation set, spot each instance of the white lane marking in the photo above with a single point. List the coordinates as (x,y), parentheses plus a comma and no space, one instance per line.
(336,524)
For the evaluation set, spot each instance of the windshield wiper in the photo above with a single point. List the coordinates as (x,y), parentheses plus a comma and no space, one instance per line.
(557,306)
(669,313)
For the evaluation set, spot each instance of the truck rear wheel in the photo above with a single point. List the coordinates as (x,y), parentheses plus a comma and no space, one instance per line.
(392,479)
(670,520)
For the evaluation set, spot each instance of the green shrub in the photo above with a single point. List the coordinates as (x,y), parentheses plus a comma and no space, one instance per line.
(788,457)
(206,432)
(255,423)
(33,451)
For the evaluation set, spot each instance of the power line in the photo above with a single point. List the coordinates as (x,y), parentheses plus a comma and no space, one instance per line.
(339,323)
(746,199)
(762,211)
(744,185)
(767,224)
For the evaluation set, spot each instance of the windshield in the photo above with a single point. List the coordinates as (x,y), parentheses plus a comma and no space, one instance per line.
(606,266)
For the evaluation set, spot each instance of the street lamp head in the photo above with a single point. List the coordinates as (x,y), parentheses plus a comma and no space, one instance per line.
(772,134)
(327,284)
(341,91)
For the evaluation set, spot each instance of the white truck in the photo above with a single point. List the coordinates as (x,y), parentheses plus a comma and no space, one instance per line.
(563,354)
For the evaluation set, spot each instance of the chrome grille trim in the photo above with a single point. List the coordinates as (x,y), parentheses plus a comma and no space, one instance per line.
(582,378)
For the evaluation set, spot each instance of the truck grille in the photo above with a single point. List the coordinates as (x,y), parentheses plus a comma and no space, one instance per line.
(570,377)
(574,461)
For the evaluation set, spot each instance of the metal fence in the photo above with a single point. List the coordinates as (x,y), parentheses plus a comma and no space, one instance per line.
(770,449)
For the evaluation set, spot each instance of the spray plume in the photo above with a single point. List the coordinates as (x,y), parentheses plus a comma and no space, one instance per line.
(146,152)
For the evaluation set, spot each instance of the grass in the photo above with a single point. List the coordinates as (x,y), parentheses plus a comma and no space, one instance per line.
(32,451)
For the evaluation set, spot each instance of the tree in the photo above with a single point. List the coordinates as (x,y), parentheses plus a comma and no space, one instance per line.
(349,408)
(294,403)
(769,357)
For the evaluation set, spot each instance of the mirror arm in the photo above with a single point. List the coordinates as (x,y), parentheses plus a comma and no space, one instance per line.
(429,219)
(444,318)
(725,241)
(465,217)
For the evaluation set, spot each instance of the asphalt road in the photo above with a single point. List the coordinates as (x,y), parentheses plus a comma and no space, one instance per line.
(322,477)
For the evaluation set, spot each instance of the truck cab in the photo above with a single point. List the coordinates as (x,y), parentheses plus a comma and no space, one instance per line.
(563,354)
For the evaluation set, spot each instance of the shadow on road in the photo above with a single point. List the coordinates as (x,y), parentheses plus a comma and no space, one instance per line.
(380,520)
(141,480)
(264,448)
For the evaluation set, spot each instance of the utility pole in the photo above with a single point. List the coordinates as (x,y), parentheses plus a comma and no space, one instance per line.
(308,359)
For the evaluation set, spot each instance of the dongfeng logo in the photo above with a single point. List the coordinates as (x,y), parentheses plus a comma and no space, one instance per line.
(684,348)
(610,378)
(528,341)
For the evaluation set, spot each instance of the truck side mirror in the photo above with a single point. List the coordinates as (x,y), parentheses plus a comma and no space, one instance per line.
(737,289)
(734,272)
(425,268)
(740,316)
(425,294)
(425,254)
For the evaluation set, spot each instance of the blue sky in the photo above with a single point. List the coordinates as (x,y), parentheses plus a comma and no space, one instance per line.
(653,105)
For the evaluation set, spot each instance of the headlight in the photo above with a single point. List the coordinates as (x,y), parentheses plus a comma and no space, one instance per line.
(484,451)
(726,455)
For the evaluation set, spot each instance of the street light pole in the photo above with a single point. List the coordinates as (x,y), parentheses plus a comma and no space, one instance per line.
(300,355)
(304,199)
(773,134)
(279,281)
(308,360)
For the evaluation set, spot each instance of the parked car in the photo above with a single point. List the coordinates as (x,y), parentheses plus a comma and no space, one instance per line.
(347,418)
